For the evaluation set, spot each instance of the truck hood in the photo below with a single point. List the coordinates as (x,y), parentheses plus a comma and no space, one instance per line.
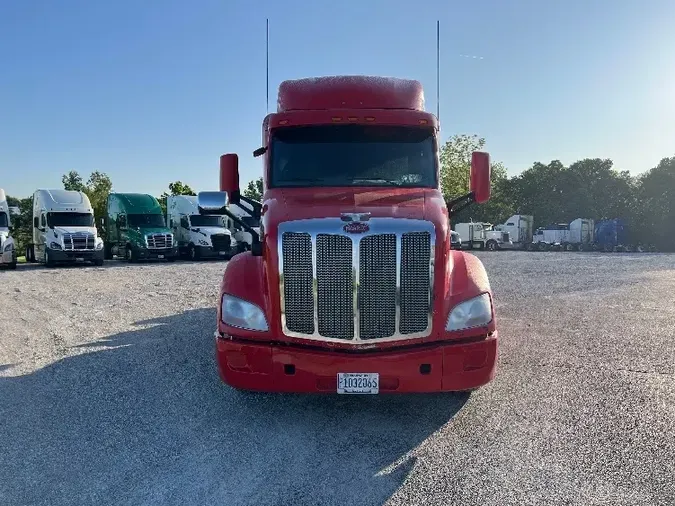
(211,230)
(305,203)
(75,230)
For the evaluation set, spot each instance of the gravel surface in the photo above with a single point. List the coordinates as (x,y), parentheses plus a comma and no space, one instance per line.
(109,395)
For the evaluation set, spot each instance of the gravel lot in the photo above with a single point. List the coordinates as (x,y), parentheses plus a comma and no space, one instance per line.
(109,395)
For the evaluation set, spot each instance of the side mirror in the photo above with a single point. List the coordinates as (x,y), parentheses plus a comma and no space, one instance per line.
(480,176)
(229,173)
(212,202)
(36,222)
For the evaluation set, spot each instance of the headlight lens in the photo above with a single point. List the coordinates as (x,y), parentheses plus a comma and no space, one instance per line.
(99,245)
(470,313)
(203,242)
(9,247)
(55,245)
(242,314)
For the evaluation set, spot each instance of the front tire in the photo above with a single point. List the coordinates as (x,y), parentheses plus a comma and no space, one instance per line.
(491,245)
(11,266)
(107,251)
(193,254)
(129,255)
(48,259)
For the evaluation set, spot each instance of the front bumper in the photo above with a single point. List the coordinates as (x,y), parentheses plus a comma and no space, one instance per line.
(209,252)
(156,254)
(58,255)
(271,368)
(8,257)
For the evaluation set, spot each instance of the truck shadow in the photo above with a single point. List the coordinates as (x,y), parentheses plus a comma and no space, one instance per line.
(141,417)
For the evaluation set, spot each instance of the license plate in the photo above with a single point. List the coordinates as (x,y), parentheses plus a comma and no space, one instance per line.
(160,256)
(358,383)
(79,259)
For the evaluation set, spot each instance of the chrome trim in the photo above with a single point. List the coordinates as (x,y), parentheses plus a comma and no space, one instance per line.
(397,226)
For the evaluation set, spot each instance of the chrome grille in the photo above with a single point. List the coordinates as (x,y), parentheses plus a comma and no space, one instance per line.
(375,284)
(298,283)
(221,242)
(159,241)
(415,282)
(79,241)
(335,286)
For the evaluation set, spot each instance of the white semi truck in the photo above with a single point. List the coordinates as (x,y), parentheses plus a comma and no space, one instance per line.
(199,234)
(63,229)
(519,227)
(7,246)
(477,235)
(578,235)
(243,237)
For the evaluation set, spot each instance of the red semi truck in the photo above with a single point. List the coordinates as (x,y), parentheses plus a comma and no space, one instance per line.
(351,285)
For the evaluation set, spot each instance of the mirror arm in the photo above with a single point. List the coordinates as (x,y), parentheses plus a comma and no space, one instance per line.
(256,245)
(460,203)
(256,207)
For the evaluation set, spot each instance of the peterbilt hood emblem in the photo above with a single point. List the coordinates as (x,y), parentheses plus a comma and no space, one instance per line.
(355,216)
(356,227)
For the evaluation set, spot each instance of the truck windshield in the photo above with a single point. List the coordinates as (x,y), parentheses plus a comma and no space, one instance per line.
(199,220)
(70,220)
(4,221)
(146,220)
(250,221)
(353,155)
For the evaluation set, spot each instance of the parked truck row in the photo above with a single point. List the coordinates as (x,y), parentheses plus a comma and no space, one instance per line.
(136,228)
(581,234)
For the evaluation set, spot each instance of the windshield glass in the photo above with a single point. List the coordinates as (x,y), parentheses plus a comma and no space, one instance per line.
(146,220)
(199,220)
(4,221)
(250,221)
(70,220)
(353,155)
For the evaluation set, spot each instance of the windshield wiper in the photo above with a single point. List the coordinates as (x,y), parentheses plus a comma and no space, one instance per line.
(379,180)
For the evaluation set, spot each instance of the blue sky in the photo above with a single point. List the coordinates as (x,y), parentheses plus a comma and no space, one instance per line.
(154,91)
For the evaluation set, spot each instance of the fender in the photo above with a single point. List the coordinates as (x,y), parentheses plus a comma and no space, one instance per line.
(244,278)
(466,278)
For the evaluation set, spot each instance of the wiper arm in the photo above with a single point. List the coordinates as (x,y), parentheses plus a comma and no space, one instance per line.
(380,180)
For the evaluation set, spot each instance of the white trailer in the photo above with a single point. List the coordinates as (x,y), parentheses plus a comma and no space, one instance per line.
(63,229)
(199,234)
(8,252)
(476,235)
(519,227)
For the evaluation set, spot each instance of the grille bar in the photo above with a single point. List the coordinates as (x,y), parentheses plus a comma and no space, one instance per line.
(370,286)
(159,241)
(78,241)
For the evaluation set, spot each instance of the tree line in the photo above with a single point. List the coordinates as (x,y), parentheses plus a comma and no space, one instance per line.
(551,192)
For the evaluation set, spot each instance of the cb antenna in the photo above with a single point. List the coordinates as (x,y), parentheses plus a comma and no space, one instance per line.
(267,64)
(438,70)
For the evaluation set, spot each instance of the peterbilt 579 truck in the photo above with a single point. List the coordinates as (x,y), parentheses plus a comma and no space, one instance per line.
(350,285)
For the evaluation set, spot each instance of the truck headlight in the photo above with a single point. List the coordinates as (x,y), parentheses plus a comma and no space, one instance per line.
(239,313)
(203,242)
(99,245)
(8,247)
(55,245)
(474,312)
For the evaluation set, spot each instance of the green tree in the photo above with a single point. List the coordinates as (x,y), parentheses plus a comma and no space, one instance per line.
(455,157)
(655,216)
(73,182)
(254,189)
(22,224)
(175,188)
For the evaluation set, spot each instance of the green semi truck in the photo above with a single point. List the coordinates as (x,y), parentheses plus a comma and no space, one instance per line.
(136,229)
